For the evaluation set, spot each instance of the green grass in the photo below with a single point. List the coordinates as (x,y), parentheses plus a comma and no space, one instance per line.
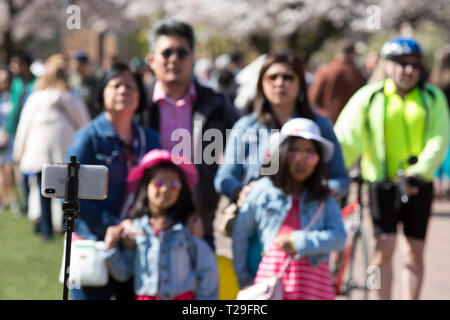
(29,267)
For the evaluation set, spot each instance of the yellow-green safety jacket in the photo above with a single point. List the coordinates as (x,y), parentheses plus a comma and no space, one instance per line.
(417,125)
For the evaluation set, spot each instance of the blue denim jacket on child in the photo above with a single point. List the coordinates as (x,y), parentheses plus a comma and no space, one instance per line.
(168,265)
(264,211)
(99,144)
(248,141)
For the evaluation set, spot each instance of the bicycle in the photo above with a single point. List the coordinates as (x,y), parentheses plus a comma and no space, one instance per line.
(347,277)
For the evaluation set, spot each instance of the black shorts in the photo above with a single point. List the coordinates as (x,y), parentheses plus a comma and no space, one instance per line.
(386,214)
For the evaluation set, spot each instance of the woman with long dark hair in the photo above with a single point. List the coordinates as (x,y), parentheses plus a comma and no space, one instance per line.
(281,95)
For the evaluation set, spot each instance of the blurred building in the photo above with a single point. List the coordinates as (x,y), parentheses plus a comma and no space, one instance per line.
(101,47)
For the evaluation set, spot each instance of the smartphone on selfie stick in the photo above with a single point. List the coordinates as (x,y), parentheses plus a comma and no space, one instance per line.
(72,181)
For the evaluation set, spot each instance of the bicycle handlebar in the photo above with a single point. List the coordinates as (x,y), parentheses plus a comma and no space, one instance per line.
(404,198)
(356,176)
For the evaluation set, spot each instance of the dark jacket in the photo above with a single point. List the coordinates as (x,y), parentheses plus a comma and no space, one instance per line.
(212,111)
(333,86)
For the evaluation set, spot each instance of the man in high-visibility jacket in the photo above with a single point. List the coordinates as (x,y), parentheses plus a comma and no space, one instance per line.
(400,129)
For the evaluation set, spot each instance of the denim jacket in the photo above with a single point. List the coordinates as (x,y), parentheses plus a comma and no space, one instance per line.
(264,212)
(248,141)
(168,265)
(99,144)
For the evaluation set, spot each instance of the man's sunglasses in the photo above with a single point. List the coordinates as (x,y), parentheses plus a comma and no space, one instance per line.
(181,53)
(404,64)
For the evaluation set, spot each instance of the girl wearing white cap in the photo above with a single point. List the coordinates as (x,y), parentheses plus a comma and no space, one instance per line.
(293,215)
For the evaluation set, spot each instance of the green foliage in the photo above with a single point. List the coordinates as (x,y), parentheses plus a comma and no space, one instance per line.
(134,44)
(211,45)
(29,267)
(430,36)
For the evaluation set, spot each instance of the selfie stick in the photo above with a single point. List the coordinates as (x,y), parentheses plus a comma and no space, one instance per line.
(70,208)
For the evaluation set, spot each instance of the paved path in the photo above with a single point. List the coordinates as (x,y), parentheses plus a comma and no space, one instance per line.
(437,255)
(436,283)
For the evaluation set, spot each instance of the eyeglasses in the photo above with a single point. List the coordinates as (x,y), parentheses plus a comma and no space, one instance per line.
(172,185)
(311,157)
(404,64)
(181,53)
(287,77)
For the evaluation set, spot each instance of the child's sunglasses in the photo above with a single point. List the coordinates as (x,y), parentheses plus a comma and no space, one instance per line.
(171,185)
(311,157)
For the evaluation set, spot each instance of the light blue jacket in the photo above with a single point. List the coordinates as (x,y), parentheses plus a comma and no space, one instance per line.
(99,144)
(264,212)
(167,266)
(248,141)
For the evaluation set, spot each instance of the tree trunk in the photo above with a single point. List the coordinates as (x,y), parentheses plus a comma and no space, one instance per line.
(7,45)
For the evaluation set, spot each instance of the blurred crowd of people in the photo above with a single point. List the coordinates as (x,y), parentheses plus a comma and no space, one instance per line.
(119,116)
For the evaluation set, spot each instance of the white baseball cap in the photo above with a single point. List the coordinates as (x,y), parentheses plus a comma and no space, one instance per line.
(303,128)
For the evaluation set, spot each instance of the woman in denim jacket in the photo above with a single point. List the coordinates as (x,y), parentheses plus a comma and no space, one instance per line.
(281,95)
(168,262)
(281,206)
(114,140)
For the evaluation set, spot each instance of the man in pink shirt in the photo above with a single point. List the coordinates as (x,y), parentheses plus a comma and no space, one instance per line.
(178,112)
(177,101)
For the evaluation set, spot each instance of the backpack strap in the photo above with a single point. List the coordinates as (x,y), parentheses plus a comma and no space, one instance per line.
(308,226)
(315,217)
(369,104)
(366,116)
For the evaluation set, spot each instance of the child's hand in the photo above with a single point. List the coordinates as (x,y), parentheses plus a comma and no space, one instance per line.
(284,242)
(112,236)
(195,224)
(129,232)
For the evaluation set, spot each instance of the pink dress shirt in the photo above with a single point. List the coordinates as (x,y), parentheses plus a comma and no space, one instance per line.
(173,114)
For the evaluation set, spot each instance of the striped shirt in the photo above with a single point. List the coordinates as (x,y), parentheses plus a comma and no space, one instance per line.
(301,281)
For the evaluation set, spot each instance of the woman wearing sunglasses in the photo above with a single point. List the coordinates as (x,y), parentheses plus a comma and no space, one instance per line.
(281,95)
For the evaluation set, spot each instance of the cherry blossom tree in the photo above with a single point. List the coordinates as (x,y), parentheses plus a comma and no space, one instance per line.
(311,21)
(21,20)
(296,22)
